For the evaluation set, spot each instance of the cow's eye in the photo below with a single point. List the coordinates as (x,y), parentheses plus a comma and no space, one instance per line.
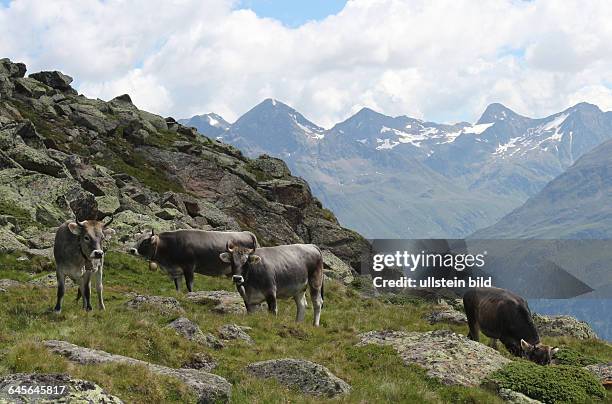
(87,238)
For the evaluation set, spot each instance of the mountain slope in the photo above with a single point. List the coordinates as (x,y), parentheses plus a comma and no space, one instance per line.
(403,177)
(211,124)
(577,204)
(64,155)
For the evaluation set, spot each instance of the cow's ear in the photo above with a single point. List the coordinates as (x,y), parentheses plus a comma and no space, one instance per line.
(254,259)
(154,239)
(108,233)
(554,351)
(526,346)
(74,228)
(225,257)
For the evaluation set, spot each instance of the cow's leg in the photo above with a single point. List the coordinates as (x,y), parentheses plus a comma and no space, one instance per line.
(316,294)
(85,290)
(100,289)
(493,343)
(189,278)
(271,301)
(473,325)
(300,302)
(61,287)
(177,283)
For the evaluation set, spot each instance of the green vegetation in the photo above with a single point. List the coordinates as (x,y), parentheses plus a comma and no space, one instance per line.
(377,374)
(22,216)
(550,384)
(569,356)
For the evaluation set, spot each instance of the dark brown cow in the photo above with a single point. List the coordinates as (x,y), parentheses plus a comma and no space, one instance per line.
(185,252)
(502,315)
(268,273)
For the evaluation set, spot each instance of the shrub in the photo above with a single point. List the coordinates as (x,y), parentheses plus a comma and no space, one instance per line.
(569,356)
(550,384)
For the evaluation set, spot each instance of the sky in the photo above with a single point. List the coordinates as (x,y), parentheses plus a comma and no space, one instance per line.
(442,60)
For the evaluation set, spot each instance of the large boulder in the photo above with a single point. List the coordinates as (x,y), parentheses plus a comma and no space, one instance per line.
(603,371)
(453,359)
(335,268)
(10,69)
(164,304)
(450,316)
(230,332)
(191,331)
(563,326)
(305,376)
(209,388)
(53,79)
(74,391)
(222,301)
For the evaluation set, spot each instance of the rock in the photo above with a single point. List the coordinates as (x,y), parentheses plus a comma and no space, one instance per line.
(76,390)
(169,214)
(200,361)
(208,387)
(515,397)
(305,376)
(9,242)
(30,87)
(9,283)
(563,326)
(107,205)
(223,302)
(452,358)
(275,168)
(446,316)
(2,290)
(10,69)
(50,281)
(235,332)
(164,304)
(53,79)
(123,98)
(603,371)
(337,269)
(190,330)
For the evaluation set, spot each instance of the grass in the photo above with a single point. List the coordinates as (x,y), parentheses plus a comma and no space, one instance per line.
(376,373)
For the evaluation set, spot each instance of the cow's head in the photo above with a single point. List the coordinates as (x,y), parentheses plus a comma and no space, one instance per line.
(146,244)
(538,353)
(240,259)
(91,234)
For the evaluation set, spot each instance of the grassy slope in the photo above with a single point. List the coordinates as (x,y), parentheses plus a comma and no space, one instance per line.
(376,373)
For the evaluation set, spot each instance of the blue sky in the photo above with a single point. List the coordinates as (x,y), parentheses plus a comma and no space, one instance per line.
(293,13)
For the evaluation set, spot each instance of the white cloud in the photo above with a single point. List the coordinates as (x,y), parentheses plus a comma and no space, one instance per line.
(442,60)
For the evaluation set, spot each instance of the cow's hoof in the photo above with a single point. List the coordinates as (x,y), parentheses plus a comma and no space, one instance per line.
(102,307)
(57,311)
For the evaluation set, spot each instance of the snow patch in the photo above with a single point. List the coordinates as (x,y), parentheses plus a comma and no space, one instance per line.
(478,129)
(385,144)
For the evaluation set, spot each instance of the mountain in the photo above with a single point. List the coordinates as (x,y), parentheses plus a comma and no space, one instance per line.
(63,155)
(211,124)
(404,177)
(575,205)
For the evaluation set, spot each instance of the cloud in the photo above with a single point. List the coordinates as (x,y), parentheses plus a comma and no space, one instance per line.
(443,60)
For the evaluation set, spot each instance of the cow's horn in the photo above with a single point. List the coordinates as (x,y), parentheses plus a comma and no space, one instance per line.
(83,223)
(229,246)
(109,222)
(152,232)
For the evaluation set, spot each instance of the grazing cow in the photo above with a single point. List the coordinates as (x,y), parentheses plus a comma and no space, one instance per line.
(78,254)
(267,273)
(185,252)
(502,315)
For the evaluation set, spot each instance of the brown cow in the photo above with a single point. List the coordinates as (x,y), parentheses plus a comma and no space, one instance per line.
(502,315)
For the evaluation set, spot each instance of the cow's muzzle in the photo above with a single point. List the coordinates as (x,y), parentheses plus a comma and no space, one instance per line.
(133,251)
(238,279)
(97,254)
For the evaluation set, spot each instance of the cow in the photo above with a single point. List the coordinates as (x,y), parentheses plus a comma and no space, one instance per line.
(185,252)
(267,273)
(79,254)
(502,315)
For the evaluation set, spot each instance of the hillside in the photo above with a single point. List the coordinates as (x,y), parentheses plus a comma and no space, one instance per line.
(64,155)
(404,177)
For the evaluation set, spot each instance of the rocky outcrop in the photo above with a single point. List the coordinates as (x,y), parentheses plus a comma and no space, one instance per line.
(69,390)
(200,361)
(222,301)
(64,155)
(603,371)
(305,376)
(191,331)
(449,316)
(208,387)
(514,397)
(229,332)
(164,304)
(451,358)
(563,326)
(335,268)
